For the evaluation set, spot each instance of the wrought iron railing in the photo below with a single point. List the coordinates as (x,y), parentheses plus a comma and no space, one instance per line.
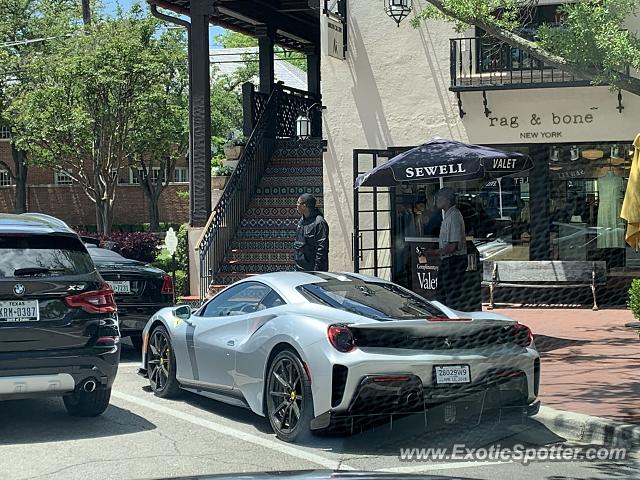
(227,214)
(488,63)
(292,102)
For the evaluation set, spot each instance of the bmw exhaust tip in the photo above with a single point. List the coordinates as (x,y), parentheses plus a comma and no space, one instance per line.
(89,385)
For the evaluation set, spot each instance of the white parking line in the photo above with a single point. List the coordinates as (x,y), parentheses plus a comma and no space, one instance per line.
(438,466)
(277,446)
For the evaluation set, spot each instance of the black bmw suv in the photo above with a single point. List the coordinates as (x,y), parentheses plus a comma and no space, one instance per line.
(58,319)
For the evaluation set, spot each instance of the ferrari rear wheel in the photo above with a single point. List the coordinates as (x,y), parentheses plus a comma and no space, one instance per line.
(161,364)
(289,400)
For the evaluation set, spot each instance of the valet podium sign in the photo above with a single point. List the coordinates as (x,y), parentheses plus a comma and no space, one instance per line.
(424,267)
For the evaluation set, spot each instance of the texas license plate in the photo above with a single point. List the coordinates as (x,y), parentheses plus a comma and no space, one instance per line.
(19,311)
(120,287)
(446,374)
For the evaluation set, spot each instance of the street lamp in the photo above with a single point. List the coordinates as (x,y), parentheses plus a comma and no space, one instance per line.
(397,9)
(303,126)
(303,122)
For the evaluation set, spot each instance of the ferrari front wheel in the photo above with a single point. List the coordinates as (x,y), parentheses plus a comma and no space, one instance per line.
(161,364)
(289,400)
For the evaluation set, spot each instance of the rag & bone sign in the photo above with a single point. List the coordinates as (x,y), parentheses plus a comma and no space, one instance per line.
(537,125)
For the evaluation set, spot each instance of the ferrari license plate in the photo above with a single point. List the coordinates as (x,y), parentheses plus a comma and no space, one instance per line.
(120,287)
(447,374)
(19,311)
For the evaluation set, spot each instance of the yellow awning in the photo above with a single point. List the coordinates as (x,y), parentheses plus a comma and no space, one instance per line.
(631,205)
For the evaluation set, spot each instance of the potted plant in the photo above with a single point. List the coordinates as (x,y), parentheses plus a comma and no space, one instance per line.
(219,173)
(233,149)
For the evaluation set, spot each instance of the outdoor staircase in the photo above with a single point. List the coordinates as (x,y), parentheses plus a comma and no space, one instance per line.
(264,240)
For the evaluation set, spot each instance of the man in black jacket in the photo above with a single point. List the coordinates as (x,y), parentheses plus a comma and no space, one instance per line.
(312,237)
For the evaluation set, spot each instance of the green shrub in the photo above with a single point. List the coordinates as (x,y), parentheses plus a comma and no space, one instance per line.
(182,258)
(163,261)
(182,284)
(634,298)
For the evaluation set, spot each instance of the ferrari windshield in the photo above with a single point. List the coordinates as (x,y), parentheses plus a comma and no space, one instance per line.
(382,301)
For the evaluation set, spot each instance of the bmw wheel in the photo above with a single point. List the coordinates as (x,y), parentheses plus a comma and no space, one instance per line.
(289,400)
(161,364)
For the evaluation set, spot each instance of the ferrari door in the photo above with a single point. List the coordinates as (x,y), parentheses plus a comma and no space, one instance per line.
(219,330)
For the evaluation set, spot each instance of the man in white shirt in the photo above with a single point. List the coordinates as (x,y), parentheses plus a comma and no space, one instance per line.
(452,250)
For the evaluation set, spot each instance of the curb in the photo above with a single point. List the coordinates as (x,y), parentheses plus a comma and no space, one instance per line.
(588,429)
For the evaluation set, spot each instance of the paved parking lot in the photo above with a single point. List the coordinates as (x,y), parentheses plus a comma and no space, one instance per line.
(141,436)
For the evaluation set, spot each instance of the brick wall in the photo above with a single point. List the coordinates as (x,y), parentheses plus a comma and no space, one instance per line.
(71,204)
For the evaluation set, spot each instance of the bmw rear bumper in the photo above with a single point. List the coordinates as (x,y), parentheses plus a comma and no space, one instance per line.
(35,374)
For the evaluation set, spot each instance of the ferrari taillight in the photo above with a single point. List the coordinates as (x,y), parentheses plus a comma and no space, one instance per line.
(341,337)
(96,301)
(521,334)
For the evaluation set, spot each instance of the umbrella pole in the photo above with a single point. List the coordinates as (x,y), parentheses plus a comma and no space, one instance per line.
(442,186)
(500,194)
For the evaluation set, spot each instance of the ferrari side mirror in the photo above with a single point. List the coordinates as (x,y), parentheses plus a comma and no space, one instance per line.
(183,312)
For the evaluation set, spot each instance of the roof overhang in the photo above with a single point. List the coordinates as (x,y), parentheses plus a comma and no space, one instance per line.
(296,23)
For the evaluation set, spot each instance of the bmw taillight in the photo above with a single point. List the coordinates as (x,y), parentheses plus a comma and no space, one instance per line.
(341,337)
(167,285)
(521,334)
(95,301)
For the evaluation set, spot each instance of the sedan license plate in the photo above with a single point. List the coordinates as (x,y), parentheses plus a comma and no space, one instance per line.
(19,311)
(447,374)
(120,287)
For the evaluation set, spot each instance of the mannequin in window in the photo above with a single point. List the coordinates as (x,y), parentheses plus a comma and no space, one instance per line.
(610,227)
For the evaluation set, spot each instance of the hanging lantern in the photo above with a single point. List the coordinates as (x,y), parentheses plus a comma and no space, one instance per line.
(397,9)
(303,126)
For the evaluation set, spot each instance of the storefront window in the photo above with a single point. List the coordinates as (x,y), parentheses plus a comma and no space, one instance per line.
(587,187)
(496,214)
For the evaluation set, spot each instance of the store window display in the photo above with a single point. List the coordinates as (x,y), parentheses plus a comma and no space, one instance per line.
(587,188)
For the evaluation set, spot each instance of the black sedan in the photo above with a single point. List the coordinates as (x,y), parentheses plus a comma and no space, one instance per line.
(140,290)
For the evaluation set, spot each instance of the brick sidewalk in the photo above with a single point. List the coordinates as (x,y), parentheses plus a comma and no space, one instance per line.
(590,362)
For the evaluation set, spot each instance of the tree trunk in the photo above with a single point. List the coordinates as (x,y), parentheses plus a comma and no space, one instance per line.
(86,12)
(106,217)
(104,211)
(154,212)
(20,174)
(99,223)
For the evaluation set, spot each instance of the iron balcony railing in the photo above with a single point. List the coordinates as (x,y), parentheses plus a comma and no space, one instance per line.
(485,63)
(292,102)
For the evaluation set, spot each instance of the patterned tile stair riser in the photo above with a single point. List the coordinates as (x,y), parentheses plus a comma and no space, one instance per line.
(260,256)
(271,212)
(253,234)
(263,244)
(289,191)
(291,171)
(257,268)
(279,223)
(294,149)
(276,201)
(300,181)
